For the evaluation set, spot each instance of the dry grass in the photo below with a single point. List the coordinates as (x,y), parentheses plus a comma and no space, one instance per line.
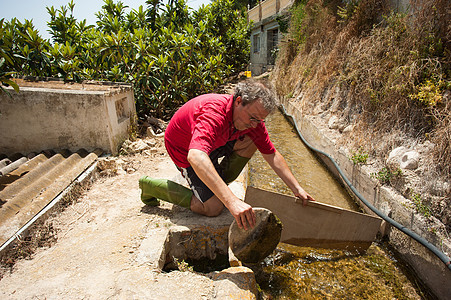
(387,75)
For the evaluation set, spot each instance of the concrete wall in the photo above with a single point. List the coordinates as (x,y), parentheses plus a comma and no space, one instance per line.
(267,9)
(55,115)
(428,267)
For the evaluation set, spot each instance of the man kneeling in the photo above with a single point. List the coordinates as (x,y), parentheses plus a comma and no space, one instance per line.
(208,128)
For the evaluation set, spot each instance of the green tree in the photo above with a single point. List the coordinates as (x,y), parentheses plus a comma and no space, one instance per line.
(6,61)
(231,27)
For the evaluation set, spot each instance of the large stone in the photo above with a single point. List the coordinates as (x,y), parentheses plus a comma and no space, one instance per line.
(235,283)
(334,122)
(254,244)
(410,160)
(403,158)
(394,156)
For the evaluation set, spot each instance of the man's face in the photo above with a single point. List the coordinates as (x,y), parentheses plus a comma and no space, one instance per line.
(248,116)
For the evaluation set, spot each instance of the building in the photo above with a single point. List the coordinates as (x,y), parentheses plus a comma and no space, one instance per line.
(265,33)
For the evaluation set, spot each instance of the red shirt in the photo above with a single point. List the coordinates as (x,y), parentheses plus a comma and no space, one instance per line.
(206,123)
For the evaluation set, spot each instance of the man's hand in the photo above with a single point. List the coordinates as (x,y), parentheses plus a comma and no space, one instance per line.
(243,214)
(303,195)
(202,165)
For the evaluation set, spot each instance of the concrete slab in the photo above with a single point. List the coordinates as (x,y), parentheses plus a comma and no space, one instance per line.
(151,250)
(235,283)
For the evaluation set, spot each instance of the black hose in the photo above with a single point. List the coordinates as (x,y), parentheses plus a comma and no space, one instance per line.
(445,259)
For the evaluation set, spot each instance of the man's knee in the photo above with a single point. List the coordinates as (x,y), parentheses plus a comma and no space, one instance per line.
(211,208)
(215,211)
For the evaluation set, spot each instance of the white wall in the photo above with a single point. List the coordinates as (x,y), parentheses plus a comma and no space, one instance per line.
(55,115)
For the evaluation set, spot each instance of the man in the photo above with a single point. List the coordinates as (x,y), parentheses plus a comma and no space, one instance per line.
(208,128)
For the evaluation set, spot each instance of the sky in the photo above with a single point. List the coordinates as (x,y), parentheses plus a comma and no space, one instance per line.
(84,9)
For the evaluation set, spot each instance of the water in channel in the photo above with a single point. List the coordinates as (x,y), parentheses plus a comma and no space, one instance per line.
(293,272)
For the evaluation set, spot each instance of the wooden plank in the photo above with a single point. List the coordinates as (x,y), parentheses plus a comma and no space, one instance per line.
(317,224)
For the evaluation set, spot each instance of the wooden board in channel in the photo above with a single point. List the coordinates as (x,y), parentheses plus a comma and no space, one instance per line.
(317,224)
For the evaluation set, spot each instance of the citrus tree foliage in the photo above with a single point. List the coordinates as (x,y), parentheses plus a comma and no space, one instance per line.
(168,52)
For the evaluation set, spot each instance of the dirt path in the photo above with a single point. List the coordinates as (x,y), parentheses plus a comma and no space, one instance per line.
(105,244)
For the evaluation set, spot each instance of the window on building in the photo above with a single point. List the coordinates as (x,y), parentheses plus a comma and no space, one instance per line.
(256,43)
(273,41)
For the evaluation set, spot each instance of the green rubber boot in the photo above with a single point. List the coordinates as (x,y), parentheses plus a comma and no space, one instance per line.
(232,166)
(163,189)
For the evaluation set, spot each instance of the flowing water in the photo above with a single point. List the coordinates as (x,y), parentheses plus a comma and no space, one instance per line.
(307,273)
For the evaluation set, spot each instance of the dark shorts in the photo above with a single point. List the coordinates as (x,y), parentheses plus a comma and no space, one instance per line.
(200,190)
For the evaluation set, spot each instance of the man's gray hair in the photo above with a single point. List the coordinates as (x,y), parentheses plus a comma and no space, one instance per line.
(251,91)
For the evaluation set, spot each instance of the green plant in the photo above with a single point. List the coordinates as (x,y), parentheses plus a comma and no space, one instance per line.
(298,27)
(359,157)
(283,21)
(346,12)
(132,129)
(429,93)
(183,266)
(385,175)
(5,60)
(166,52)
(5,79)
(420,206)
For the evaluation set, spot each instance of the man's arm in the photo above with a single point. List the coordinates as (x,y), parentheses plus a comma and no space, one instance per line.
(279,165)
(202,165)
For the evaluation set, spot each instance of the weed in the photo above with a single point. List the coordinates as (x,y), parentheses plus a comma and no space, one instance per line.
(359,157)
(283,22)
(429,93)
(133,128)
(420,206)
(298,27)
(183,266)
(385,175)
(346,12)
